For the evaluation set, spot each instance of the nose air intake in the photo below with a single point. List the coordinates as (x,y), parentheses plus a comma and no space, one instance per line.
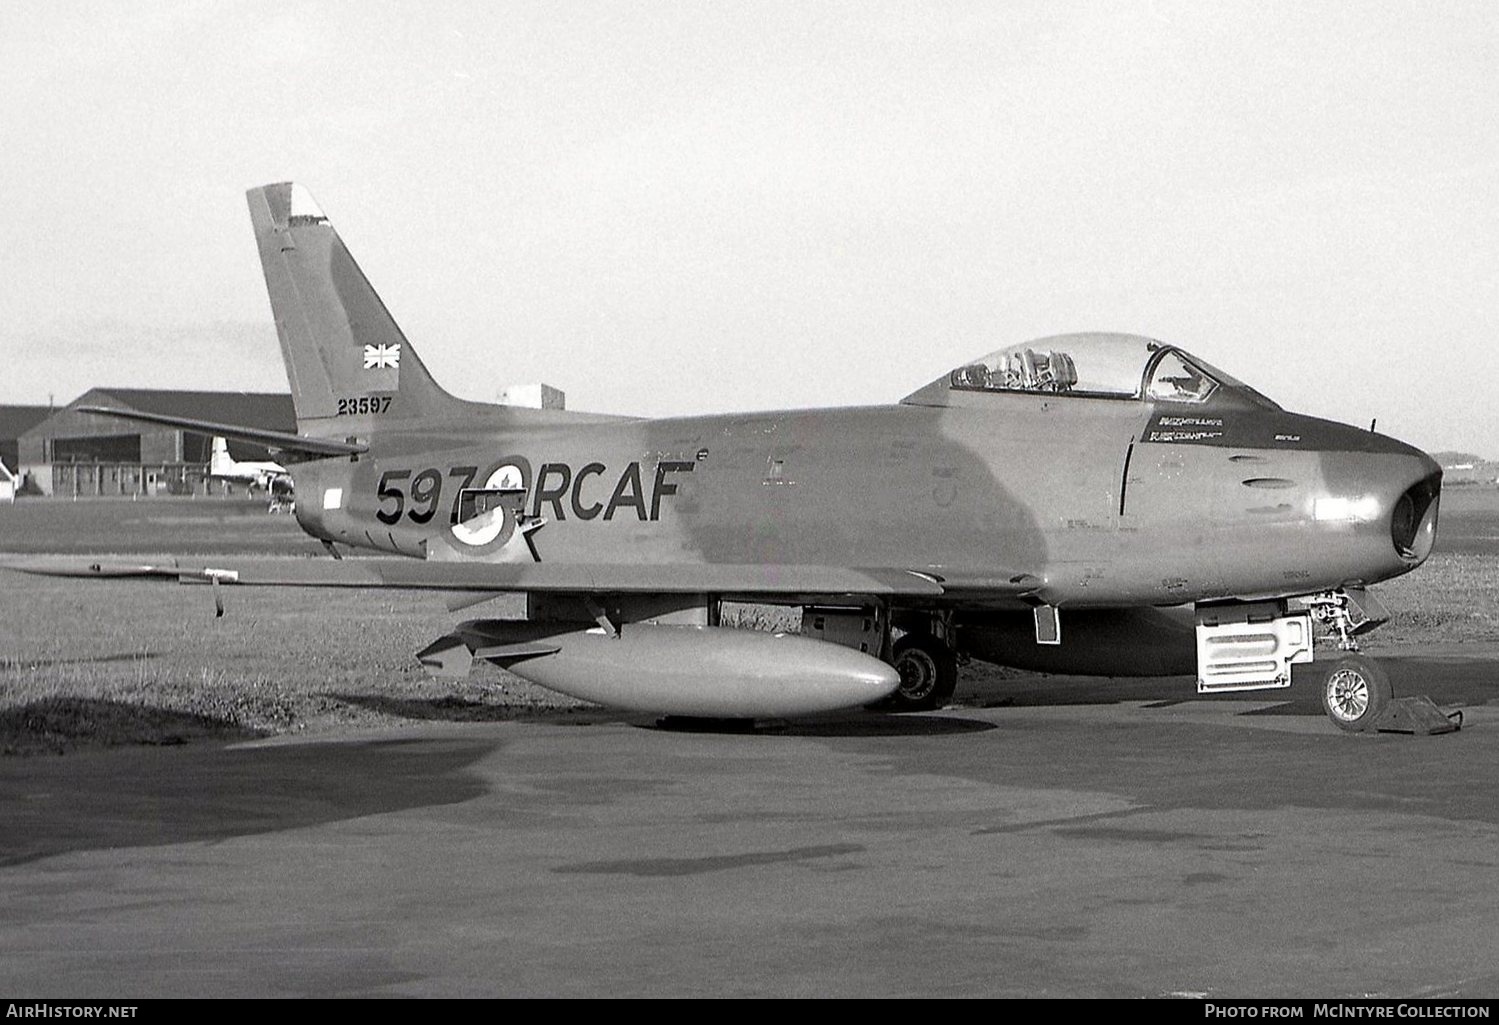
(1413,521)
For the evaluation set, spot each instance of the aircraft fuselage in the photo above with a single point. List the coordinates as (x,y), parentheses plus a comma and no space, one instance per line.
(1107,501)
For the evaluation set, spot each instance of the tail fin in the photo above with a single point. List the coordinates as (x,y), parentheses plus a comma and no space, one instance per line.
(344,354)
(220,464)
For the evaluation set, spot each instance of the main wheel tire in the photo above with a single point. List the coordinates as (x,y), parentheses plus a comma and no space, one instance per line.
(928,673)
(1355,691)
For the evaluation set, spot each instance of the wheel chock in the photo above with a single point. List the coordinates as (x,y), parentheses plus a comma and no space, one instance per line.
(1417,715)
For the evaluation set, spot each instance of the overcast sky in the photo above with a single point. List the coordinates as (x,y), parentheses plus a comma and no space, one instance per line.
(668,208)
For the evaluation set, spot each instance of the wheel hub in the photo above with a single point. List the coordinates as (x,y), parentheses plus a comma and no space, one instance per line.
(918,674)
(1348,694)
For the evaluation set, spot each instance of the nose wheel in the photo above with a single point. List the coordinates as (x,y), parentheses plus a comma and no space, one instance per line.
(1355,691)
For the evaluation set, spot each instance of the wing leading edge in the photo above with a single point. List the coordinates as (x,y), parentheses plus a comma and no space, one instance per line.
(417,574)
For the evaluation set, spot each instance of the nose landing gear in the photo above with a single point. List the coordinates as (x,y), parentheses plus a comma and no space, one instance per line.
(1355,690)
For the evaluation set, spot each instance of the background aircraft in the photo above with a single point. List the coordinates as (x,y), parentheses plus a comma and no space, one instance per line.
(224,466)
(1093,503)
(270,477)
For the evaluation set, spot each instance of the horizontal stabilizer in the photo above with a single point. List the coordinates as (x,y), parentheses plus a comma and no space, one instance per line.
(271,439)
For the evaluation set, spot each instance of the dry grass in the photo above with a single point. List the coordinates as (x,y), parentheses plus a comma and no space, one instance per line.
(1452,599)
(771,618)
(115,662)
(137,661)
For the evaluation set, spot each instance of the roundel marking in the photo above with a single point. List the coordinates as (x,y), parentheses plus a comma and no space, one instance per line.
(493,527)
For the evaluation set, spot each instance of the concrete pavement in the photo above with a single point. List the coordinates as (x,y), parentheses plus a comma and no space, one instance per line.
(1081,839)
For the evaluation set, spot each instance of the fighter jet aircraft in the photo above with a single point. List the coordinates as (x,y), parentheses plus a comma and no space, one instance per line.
(1086,503)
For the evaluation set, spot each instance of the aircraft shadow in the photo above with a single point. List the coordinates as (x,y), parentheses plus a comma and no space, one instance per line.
(1461,679)
(455,709)
(876,724)
(846,724)
(980,689)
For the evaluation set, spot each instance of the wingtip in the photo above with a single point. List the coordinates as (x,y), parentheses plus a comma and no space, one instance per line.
(80,566)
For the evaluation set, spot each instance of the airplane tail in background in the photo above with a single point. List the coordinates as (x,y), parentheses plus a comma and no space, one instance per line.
(346,359)
(220,463)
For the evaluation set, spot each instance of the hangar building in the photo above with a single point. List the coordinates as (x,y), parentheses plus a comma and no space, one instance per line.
(83,455)
(14,422)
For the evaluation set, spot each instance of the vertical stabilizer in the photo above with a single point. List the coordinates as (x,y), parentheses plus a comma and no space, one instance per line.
(220,464)
(345,356)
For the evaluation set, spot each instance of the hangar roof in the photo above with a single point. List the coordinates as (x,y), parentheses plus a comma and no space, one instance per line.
(17,420)
(268,410)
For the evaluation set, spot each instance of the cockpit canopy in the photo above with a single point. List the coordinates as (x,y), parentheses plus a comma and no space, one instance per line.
(1116,366)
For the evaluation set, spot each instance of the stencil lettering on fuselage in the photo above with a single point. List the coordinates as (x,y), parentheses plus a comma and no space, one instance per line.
(559,489)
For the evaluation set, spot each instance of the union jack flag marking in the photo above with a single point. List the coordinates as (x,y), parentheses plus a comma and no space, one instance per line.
(377,357)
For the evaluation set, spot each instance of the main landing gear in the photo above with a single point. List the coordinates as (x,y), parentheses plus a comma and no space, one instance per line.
(928,669)
(1355,689)
(915,641)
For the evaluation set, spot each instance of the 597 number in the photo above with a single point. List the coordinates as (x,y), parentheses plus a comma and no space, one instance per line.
(424,493)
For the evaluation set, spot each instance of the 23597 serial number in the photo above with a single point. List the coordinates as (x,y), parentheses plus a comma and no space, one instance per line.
(365,404)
